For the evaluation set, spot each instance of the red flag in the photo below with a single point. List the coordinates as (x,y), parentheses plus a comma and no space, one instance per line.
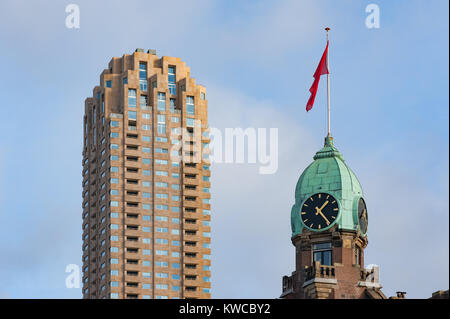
(322,68)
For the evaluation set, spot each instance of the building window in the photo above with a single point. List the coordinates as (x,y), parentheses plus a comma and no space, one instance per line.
(161,124)
(143,76)
(131,98)
(161,173)
(143,101)
(161,139)
(171,80)
(161,150)
(190,109)
(161,101)
(202,95)
(162,264)
(161,184)
(172,105)
(132,115)
(108,84)
(189,122)
(114,169)
(357,255)
(322,253)
(162,252)
(146,184)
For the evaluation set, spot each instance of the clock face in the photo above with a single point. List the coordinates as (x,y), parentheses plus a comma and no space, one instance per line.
(362,215)
(319,211)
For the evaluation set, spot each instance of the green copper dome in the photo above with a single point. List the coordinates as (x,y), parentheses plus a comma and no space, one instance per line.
(328,174)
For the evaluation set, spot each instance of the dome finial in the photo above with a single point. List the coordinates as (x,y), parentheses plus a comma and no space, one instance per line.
(329,140)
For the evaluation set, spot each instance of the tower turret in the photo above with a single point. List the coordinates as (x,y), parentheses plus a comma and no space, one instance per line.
(329,174)
(329,231)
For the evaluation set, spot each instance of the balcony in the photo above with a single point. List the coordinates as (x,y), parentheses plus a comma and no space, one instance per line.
(369,278)
(319,271)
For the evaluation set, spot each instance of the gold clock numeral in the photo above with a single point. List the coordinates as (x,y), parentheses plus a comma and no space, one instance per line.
(333,217)
(303,213)
(305,205)
(335,209)
(320,195)
(310,226)
(306,220)
(311,199)
(333,202)
(320,226)
(327,196)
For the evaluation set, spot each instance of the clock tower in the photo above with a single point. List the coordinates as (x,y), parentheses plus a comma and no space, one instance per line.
(329,222)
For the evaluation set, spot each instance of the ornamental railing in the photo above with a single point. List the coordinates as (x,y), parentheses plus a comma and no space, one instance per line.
(319,271)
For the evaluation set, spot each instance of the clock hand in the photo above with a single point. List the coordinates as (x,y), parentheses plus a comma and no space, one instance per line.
(323,206)
(320,209)
(321,214)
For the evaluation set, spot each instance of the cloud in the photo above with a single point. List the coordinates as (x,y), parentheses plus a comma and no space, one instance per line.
(251,212)
(251,219)
(408,228)
(267,50)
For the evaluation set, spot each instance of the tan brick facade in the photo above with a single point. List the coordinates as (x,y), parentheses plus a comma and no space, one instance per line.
(146,219)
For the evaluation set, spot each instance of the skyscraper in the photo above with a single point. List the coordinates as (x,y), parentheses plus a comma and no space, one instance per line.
(146,182)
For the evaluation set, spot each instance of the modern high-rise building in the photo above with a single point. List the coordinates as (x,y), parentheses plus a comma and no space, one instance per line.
(146,182)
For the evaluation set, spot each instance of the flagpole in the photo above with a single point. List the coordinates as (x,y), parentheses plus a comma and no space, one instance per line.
(328,85)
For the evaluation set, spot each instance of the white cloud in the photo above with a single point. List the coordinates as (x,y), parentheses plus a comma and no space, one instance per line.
(251,212)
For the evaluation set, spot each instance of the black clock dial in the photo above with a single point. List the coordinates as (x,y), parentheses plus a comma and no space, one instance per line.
(319,211)
(362,215)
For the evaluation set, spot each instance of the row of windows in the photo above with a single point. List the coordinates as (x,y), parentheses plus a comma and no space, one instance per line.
(158,263)
(115,295)
(175,209)
(161,101)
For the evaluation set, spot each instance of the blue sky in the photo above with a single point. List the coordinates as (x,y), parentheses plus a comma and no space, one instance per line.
(389,96)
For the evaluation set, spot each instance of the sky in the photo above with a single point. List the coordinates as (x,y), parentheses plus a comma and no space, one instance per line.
(390,120)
